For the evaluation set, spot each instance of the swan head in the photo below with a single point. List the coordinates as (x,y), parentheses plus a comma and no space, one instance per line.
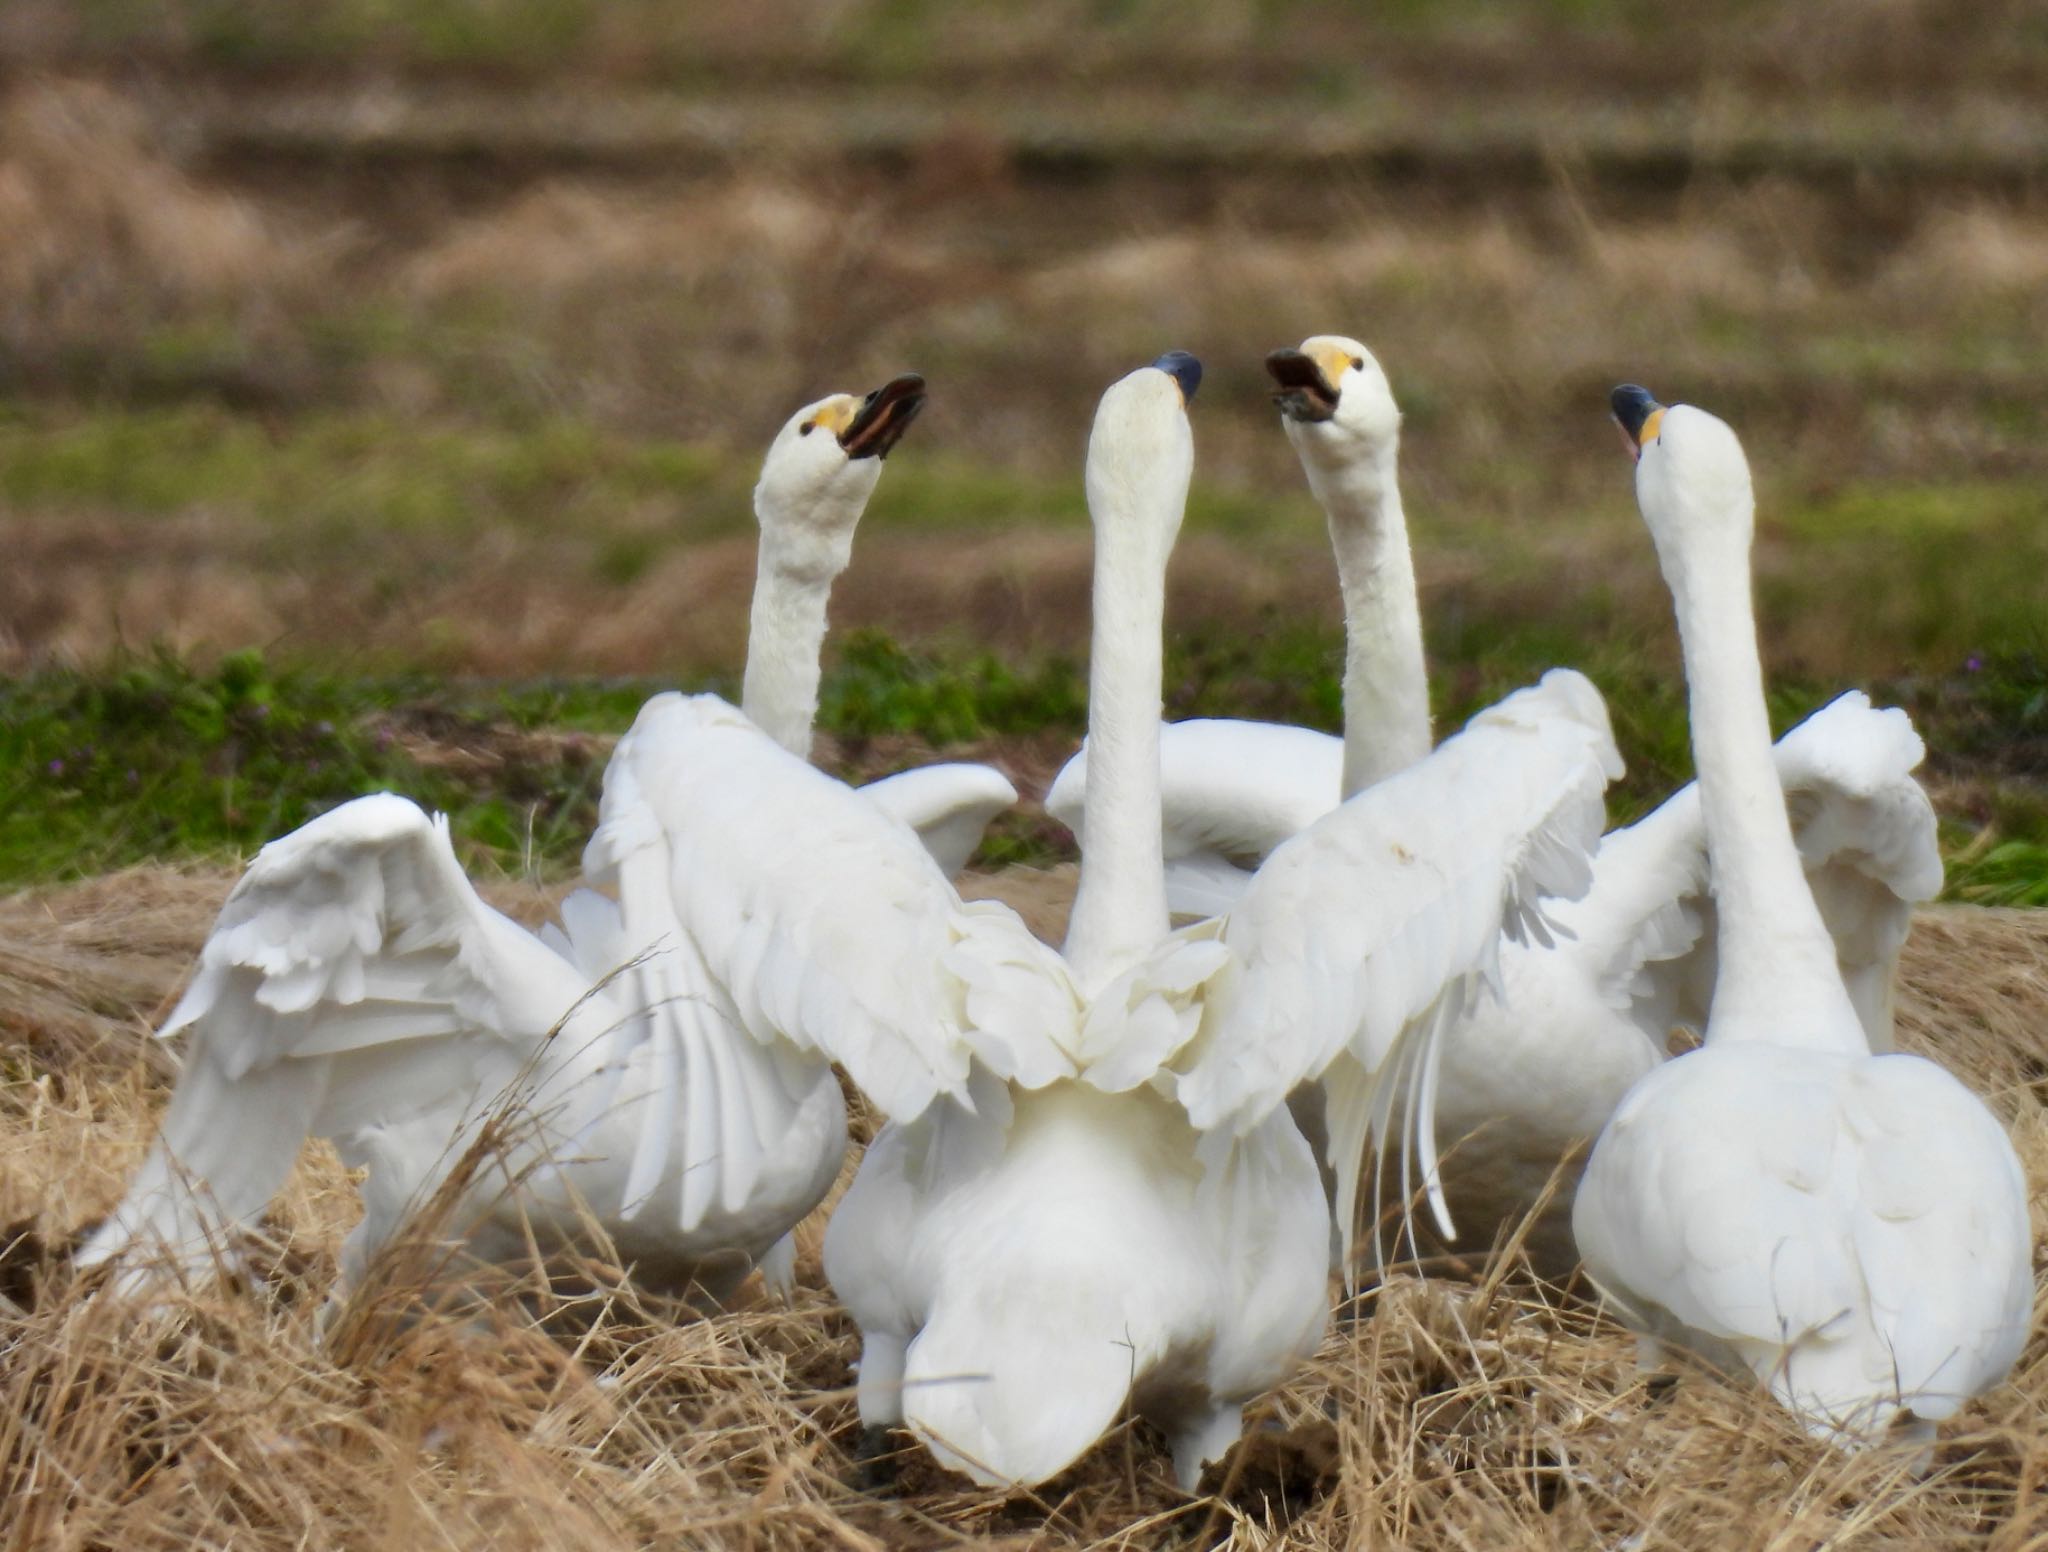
(824,462)
(1692,480)
(1141,453)
(1334,399)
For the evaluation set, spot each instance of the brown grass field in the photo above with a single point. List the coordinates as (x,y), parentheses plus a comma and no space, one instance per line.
(1462,1412)
(442,339)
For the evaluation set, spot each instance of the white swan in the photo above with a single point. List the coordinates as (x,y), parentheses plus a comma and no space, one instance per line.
(357,988)
(812,492)
(1152,1234)
(1528,1076)
(1850,1227)
(1233,790)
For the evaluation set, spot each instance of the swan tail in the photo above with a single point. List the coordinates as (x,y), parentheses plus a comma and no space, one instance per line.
(1014,1408)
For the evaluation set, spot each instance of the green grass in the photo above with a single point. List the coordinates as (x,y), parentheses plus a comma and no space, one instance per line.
(339,473)
(155,758)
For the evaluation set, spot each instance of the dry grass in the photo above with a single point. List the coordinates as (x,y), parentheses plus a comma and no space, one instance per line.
(1449,1415)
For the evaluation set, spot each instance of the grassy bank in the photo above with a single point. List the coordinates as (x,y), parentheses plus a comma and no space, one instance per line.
(157,759)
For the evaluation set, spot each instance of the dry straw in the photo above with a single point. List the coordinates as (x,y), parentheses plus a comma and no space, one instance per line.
(1484,1413)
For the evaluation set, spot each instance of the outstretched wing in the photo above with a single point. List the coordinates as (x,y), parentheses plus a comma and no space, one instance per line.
(1866,833)
(949,806)
(1373,922)
(1230,792)
(357,936)
(1868,836)
(829,926)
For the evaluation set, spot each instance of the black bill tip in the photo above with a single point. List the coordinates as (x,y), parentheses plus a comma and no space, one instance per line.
(1303,391)
(884,415)
(1632,406)
(1183,369)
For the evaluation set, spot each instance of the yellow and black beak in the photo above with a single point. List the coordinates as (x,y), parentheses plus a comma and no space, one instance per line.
(884,415)
(1304,390)
(1639,416)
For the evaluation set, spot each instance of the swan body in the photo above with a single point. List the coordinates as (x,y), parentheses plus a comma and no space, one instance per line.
(1531,1074)
(1851,1227)
(357,988)
(1150,1232)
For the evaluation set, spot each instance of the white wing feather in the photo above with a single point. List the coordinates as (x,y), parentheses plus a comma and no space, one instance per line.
(829,926)
(1230,792)
(1380,914)
(346,947)
(949,806)
(1866,833)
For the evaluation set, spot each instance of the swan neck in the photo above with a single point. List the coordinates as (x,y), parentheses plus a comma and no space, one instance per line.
(786,634)
(1778,979)
(1120,906)
(1386,682)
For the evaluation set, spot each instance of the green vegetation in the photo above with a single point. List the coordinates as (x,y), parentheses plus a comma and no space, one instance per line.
(155,758)
(344,472)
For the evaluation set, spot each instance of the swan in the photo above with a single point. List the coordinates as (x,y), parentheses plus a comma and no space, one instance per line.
(1149,1232)
(809,500)
(1533,1074)
(356,987)
(1234,789)
(1851,1227)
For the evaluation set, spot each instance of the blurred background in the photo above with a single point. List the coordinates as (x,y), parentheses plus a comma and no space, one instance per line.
(382,382)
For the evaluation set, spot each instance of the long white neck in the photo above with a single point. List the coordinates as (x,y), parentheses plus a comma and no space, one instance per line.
(1778,980)
(1120,907)
(786,631)
(1386,684)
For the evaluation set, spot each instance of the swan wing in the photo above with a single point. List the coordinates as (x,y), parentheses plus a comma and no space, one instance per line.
(1868,837)
(1230,790)
(828,925)
(1375,922)
(353,975)
(949,806)
(1866,833)
(710,1123)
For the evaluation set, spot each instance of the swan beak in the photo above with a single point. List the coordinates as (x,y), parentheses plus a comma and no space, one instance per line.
(1185,370)
(884,415)
(1305,392)
(1639,416)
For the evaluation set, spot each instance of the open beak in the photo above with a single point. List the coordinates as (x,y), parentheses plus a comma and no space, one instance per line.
(883,417)
(1637,414)
(1304,393)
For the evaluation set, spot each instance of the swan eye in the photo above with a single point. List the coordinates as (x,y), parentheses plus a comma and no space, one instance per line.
(1358,363)
(807,428)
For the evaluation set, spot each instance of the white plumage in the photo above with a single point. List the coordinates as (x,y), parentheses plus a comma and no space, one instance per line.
(1529,1075)
(1850,1227)
(1230,792)
(356,988)
(1027,1262)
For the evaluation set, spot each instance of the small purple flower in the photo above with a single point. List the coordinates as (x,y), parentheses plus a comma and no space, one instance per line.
(323,729)
(383,739)
(1974,663)
(134,777)
(56,767)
